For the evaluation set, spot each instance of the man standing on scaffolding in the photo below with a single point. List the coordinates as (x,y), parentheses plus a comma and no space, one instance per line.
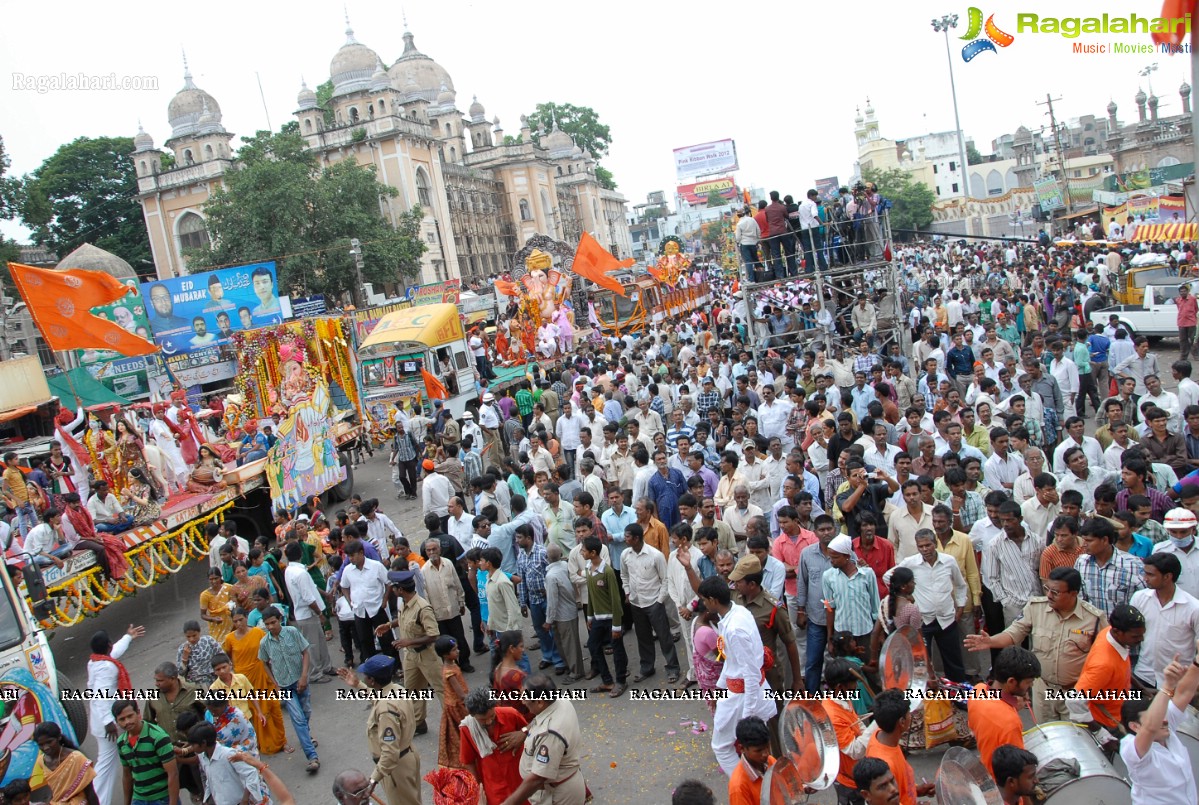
(810,234)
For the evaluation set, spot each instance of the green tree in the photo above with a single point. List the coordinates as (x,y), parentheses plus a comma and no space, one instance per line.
(10,202)
(584,127)
(912,202)
(580,122)
(281,204)
(653,213)
(604,177)
(716,200)
(86,192)
(973,157)
(324,102)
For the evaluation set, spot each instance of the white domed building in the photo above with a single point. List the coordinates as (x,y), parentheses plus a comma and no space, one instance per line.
(482,198)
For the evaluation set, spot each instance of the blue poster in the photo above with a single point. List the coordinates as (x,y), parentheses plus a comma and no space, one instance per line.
(197,313)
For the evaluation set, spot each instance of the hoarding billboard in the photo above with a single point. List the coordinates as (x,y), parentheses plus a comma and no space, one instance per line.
(192,317)
(698,192)
(719,156)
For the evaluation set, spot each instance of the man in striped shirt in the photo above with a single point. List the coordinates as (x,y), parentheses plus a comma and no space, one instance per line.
(1012,562)
(850,591)
(148,757)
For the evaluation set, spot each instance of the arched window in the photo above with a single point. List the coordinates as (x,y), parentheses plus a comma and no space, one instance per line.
(1166,162)
(192,232)
(208,153)
(994,183)
(308,125)
(453,154)
(382,106)
(449,130)
(525,215)
(188,159)
(142,168)
(353,114)
(370,110)
(424,192)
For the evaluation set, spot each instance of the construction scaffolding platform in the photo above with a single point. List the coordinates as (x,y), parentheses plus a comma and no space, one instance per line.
(863,265)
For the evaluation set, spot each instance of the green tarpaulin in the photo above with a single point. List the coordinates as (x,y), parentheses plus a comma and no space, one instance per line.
(90,391)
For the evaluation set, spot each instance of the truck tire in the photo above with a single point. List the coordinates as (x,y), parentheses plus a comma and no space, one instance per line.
(343,490)
(76,710)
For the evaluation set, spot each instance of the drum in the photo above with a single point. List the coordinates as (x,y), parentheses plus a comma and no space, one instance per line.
(1188,733)
(1098,782)
(963,780)
(809,742)
(782,785)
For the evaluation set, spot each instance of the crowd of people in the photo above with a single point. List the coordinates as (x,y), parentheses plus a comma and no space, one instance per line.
(761,503)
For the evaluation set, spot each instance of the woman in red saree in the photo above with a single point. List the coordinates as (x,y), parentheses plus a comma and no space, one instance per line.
(65,769)
(507,676)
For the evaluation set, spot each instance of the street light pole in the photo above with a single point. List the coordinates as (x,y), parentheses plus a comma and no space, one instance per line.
(942,26)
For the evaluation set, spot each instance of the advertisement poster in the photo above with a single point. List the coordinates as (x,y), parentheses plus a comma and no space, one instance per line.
(302,306)
(436,293)
(705,159)
(192,317)
(827,188)
(365,320)
(1048,194)
(698,192)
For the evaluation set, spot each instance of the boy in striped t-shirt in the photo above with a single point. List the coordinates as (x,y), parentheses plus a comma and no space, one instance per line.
(145,751)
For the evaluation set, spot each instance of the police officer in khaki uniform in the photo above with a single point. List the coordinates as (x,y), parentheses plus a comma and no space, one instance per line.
(1062,627)
(774,625)
(389,730)
(417,625)
(549,762)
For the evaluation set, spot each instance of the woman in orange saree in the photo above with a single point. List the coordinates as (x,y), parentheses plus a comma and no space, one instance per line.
(242,647)
(65,769)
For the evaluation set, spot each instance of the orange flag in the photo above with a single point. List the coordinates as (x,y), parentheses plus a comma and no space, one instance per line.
(61,303)
(593,262)
(506,288)
(433,387)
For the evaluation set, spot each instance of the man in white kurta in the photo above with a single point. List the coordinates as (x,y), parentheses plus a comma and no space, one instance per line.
(102,677)
(742,676)
(164,438)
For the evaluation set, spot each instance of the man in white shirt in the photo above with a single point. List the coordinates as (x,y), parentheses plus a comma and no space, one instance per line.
(772,416)
(227,533)
(459,525)
(364,585)
(941,596)
(380,530)
(880,454)
(1165,400)
(104,671)
(682,567)
(1075,429)
(307,605)
(436,491)
(445,594)
(1171,620)
(643,575)
(1064,372)
(1159,763)
(46,543)
(226,781)
(106,510)
(567,430)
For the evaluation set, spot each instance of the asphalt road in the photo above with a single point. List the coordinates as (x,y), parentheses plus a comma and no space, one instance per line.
(633,751)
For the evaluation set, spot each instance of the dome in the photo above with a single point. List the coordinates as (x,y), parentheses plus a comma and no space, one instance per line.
(857,118)
(142,141)
(576,152)
(869,108)
(379,80)
(185,109)
(446,97)
(477,112)
(91,258)
(1185,89)
(1111,107)
(208,122)
(418,76)
(306,99)
(557,142)
(352,66)
(1153,100)
(1140,97)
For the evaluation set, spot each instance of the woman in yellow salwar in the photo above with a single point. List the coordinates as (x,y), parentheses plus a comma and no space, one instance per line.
(66,770)
(242,647)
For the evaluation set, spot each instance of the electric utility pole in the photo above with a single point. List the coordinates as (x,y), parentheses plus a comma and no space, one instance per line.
(1061,154)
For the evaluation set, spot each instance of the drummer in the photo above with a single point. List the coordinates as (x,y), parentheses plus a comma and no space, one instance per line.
(996,722)
(852,740)
(1063,628)
(893,714)
(1107,675)
(1159,765)
(1016,774)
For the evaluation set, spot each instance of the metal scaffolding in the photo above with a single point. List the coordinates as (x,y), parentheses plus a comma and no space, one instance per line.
(852,269)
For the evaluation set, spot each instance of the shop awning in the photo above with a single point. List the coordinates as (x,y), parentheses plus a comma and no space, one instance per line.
(79,382)
(1155,233)
(431,325)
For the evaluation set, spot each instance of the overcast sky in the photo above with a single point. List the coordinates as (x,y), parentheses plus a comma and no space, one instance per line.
(781,79)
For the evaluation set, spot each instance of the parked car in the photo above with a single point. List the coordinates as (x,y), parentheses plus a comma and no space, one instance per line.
(1155,317)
